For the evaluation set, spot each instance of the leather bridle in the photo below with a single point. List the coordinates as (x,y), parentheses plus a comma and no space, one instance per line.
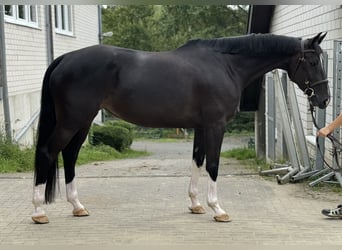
(309,90)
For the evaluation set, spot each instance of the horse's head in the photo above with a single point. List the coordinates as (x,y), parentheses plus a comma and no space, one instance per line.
(306,70)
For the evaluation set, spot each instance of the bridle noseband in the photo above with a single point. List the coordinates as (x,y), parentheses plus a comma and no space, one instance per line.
(309,90)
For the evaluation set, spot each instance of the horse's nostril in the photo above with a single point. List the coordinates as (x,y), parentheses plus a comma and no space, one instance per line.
(326,102)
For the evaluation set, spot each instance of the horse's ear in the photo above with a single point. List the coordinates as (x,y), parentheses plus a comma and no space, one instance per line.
(318,38)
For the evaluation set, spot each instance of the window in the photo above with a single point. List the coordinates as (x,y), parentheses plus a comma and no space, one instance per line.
(33,13)
(63,19)
(22,14)
(9,11)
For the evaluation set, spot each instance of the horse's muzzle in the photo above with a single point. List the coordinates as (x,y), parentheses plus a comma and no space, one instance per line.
(325,103)
(323,100)
(321,104)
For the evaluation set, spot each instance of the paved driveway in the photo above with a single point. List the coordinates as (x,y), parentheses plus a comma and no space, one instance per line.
(144,202)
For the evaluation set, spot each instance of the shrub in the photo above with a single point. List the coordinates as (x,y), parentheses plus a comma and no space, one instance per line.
(243,122)
(14,159)
(117,137)
(124,124)
(121,123)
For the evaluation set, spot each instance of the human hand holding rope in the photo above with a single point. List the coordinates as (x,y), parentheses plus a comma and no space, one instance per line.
(328,129)
(324,132)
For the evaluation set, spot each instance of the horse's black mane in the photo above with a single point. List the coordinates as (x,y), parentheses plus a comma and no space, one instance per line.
(253,45)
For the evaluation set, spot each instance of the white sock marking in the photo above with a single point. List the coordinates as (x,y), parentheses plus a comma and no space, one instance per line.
(212,197)
(72,195)
(38,200)
(193,187)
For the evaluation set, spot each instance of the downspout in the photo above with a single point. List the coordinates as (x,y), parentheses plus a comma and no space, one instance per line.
(99,14)
(3,77)
(100,23)
(49,34)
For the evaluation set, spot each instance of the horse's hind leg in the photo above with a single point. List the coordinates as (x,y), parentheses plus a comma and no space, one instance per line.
(39,216)
(197,163)
(47,161)
(70,154)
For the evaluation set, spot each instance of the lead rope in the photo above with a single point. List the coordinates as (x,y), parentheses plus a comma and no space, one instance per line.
(337,146)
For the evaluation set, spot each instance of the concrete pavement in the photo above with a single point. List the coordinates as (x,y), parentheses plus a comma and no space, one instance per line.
(143,202)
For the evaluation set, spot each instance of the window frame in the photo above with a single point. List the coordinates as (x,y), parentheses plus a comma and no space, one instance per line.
(30,18)
(64,20)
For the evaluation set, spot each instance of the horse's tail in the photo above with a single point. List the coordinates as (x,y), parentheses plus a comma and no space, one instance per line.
(45,170)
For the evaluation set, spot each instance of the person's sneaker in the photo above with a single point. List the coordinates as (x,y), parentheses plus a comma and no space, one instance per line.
(334,213)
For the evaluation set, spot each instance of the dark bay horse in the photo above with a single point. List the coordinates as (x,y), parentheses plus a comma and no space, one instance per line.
(198,86)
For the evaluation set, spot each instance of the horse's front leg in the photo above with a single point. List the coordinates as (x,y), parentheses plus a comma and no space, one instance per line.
(198,159)
(220,214)
(72,197)
(213,139)
(195,207)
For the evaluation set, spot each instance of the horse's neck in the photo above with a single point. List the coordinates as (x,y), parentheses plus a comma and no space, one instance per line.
(251,68)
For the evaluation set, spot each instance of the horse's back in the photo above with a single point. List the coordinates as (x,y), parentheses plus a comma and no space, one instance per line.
(157,89)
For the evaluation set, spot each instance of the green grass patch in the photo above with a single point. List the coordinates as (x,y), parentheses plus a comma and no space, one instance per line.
(14,159)
(240,153)
(247,156)
(326,187)
(91,153)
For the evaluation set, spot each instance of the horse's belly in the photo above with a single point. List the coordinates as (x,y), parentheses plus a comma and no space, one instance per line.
(156,116)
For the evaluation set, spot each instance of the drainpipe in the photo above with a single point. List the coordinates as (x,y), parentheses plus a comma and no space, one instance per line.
(99,14)
(100,23)
(3,76)
(49,34)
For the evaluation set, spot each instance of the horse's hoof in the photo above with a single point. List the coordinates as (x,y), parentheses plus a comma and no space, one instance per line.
(43,219)
(80,212)
(222,218)
(197,210)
